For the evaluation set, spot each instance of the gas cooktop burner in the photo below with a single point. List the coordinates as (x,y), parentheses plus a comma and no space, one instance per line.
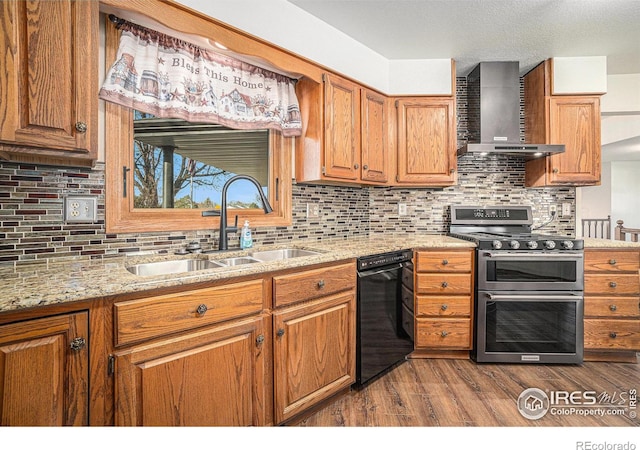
(505,228)
(522,241)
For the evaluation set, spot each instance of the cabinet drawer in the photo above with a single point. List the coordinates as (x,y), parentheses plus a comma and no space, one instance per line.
(407,297)
(443,305)
(444,261)
(612,334)
(443,283)
(408,322)
(613,284)
(443,333)
(146,318)
(609,261)
(314,283)
(612,307)
(407,276)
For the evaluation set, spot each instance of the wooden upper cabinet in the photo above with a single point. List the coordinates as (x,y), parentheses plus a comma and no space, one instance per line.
(342,128)
(570,120)
(49,81)
(346,133)
(426,129)
(376,142)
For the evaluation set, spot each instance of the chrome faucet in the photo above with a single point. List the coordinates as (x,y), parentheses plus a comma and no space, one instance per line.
(224,229)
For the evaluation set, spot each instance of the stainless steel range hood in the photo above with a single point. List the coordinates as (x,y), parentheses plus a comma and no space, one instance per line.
(493,108)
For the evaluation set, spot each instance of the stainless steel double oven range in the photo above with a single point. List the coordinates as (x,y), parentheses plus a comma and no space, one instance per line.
(529,287)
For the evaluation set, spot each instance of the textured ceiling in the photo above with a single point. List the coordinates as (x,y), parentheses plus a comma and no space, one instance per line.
(470,31)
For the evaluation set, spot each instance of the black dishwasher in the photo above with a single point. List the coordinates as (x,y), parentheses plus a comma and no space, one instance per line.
(381,338)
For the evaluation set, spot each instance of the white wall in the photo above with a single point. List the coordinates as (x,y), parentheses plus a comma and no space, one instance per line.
(625,187)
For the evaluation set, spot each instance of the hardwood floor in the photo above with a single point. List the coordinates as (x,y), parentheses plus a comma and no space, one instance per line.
(453,393)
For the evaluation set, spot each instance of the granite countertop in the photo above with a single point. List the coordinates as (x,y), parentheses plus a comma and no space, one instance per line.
(607,243)
(54,283)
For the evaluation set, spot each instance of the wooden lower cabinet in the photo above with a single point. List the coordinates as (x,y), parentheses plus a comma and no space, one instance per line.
(443,303)
(612,304)
(314,340)
(215,376)
(314,352)
(44,371)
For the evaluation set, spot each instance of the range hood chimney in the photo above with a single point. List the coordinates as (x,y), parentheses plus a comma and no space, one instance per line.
(493,106)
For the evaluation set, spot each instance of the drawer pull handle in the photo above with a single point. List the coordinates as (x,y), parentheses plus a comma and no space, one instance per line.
(280,332)
(612,262)
(445,262)
(260,339)
(445,284)
(613,307)
(613,284)
(78,344)
(613,335)
(202,309)
(320,284)
(444,334)
(444,307)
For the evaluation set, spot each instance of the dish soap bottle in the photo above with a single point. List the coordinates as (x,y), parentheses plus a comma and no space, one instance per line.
(246,241)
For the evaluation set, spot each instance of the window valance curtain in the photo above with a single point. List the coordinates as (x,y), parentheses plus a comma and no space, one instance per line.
(170,78)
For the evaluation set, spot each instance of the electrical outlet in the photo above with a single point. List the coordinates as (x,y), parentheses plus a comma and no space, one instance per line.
(80,209)
(402,209)
(566,210)
(313,210)
(553,209)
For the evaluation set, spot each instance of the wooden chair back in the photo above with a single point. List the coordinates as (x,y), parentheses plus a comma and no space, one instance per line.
(597,228)
(622,232)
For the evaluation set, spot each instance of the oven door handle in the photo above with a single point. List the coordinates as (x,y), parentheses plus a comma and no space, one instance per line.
(368,273)
(533,297)
(534,255)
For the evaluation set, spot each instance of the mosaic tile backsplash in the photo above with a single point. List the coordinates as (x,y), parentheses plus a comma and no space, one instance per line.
(32,229)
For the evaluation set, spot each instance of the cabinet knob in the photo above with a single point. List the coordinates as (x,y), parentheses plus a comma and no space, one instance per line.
(356,166)
(260,339)
(201,309)
(444,334)
(613,335)
(365,167)
(444,307)
(81,127)
(613,307)
(77,344)
(452,171)
(445,262)
(320,284)
(555,170)
(612,262)
(613,284)
(444,284)
(280,332)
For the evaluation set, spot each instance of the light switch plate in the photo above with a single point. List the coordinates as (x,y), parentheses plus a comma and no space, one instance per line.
(402,209)
(80,209)
(566,210)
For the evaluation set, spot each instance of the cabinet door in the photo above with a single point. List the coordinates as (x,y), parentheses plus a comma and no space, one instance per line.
(375,142)
(49,83)
(314,352)
(44,373)
(342,128)
(213,377)
(426,142)
(575,122)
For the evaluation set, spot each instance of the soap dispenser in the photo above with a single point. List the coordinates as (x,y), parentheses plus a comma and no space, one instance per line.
(246,241)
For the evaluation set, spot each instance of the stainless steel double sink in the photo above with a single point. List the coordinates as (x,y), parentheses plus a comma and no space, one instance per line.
(196,264)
